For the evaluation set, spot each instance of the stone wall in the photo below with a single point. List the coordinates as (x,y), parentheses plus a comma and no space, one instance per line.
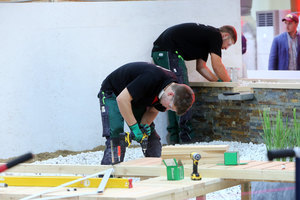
(215,119)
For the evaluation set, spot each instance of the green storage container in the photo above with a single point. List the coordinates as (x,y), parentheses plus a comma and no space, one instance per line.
(175,171)
(231,158)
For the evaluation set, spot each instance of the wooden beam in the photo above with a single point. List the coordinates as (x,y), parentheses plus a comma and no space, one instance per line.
(143,162)
(209,153)
(59,169)
(156,188)
(253,171)
(246,191)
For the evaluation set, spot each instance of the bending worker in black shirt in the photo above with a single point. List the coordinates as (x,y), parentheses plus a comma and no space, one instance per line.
(191,41)
(136,92)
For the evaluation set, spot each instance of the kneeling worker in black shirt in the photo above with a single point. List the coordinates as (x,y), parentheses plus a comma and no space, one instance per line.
(136,92)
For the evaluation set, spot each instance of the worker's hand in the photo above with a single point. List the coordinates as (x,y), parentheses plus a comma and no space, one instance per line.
(138,134)
(145,128)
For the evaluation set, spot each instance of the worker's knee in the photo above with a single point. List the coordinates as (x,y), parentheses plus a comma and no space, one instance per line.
(154,145)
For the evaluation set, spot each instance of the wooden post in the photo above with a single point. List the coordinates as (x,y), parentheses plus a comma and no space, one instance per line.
(246,191)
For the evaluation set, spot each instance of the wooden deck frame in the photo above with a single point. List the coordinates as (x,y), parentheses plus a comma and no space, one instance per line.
(215,177)
(254,171)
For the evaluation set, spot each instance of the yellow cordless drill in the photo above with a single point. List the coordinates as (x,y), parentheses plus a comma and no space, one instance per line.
(127,137)
(195,175)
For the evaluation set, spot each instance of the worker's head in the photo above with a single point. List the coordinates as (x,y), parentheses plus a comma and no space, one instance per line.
(291,21)
(229,36)
(178,98)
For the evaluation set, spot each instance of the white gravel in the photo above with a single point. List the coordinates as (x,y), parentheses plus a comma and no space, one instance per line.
(247,151)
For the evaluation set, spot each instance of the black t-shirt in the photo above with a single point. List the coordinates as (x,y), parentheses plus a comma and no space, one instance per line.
(144,82)
(191,40)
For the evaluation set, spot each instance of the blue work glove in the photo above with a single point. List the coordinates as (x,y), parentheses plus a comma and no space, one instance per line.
(145,128)
(138,134)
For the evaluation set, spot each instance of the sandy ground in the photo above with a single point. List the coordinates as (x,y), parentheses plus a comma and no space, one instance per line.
(50,155)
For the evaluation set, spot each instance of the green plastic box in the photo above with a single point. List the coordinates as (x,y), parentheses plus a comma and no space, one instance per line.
(175,171)
(231,158)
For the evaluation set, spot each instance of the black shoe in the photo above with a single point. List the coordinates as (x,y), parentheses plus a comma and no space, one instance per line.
(174,140)
(185,137)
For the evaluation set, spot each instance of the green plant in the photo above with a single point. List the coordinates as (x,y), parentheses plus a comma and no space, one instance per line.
(296,129)
(267,128)
(277,133)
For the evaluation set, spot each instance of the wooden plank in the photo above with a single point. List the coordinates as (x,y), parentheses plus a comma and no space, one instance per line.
(139,171)
(206,185)
(209,153)
(247,174)
(158,188)
(283,166)
(249,164)
(214,84)
(206,165)
(219,167)
(266,165)
(262,83)
(143,162)
(246,191)
(290,166)
(206,170)
(272,80)
(58,169)
(197,147)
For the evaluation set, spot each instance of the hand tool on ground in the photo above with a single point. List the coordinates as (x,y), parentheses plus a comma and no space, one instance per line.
(16,161)
(127,137)
(112,152)
(195,175)
(119,153)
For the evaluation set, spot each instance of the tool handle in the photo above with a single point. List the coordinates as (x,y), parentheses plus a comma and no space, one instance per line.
(195,167)
(280,153)
(119,151)
(16,161)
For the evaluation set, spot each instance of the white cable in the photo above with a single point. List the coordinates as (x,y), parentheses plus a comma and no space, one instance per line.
(104,180)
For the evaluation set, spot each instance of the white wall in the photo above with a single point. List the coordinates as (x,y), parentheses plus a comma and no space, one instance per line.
(54,56)
(259,5)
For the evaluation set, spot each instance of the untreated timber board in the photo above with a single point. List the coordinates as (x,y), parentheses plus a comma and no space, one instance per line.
(154,188)
(209,153)
(143,162)
(253,171)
